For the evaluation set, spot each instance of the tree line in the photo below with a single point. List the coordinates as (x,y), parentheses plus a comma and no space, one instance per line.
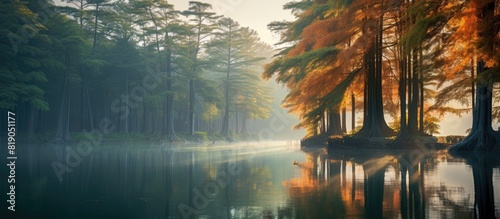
(411,60)
(140,64)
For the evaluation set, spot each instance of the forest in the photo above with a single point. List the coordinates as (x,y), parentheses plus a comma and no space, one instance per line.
(148,109)
(413,61)
(148,68)
(143,66)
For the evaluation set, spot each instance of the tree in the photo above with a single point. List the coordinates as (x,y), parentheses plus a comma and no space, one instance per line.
(88,14)
(21,43)
(23,55)
(164,25)
(482,136)
(68,46)
(338,44)
(237,49)
(202,25)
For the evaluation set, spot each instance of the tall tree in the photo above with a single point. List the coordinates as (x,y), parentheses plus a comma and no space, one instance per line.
(482,137)
(238,49)
(68,39)
(88,14)
(202,21)
(339,48)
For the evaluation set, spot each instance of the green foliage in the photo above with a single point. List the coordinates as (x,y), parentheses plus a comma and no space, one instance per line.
(22,46)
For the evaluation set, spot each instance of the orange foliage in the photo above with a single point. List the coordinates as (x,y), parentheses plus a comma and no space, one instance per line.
(458,37)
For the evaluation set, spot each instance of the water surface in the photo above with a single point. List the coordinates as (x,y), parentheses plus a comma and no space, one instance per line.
(251,180)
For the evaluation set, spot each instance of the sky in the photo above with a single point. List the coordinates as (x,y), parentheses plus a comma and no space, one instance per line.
(256,14)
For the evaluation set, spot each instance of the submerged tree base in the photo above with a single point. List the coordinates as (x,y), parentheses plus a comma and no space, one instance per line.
(479,140)
(388,143)
(415,139)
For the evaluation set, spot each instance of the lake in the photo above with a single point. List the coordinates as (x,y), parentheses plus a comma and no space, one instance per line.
(250,180)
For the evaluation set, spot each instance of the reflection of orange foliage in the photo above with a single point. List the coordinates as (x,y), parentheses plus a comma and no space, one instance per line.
(396,201)
(306,182)
(336,190)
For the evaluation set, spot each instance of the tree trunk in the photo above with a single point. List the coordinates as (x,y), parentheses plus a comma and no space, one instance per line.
(89,106)
(191,80)
(225,122)
(31,125)
(413,101)
(81,107)
(144,117)
(402,98)
(62,131)
(473,84)
(421,89)
(127,118)
(353,113)
(164,118)
(154,120)
(481,136)
(323,123)
(133,121)
(236,117)
(334,123)
(95,27)
(344,122)
(225,125)
(191,107)
(244,129)
(374,124)
(170,131)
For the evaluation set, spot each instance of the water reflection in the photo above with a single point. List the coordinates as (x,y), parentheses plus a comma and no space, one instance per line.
(347,184)
(482,170)
(256,181)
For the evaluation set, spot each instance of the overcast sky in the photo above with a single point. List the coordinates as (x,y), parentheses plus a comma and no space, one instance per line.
(255,14)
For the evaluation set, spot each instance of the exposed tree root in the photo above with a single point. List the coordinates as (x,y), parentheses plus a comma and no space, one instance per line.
(479,140)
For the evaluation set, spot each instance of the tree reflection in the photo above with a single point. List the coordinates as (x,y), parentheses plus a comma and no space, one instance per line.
(387,185)
(319,187)
(411,196)
(374,192)
(482,170)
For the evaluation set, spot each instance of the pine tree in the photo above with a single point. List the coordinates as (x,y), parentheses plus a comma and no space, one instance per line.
(202,21)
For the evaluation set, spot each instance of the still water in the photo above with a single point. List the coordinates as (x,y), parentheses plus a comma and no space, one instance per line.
(251,180)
